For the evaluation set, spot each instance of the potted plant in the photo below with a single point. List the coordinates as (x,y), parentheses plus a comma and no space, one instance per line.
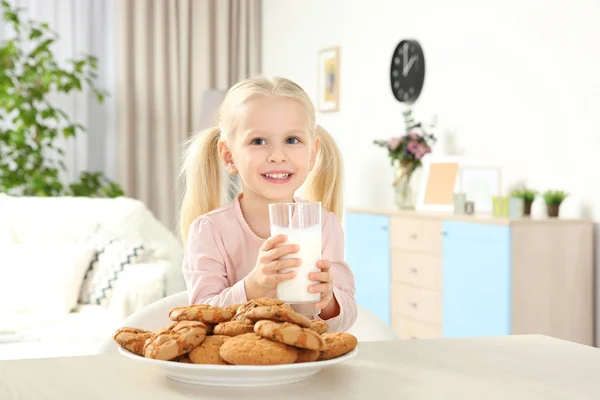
(406,153)
(528,196)
(554,199)
(31,125)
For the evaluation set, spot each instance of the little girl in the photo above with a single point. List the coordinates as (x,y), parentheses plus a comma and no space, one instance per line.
(267,135)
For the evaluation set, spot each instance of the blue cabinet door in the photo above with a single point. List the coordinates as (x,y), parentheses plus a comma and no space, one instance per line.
(368,254)
(476,279)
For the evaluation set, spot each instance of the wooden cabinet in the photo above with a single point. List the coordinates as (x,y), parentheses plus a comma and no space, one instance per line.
(437,275)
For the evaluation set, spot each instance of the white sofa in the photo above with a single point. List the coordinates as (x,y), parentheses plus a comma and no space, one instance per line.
(46,246)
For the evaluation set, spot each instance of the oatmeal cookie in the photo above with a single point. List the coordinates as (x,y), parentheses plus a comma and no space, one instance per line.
(278,314)
(290,334)
(234,328)
(337,344)
(201,312)
(319,326)
(175,340)
(263,301)
(184,359)
(208,351)
(253,349)
(132,339)
(306,355)
(234,307)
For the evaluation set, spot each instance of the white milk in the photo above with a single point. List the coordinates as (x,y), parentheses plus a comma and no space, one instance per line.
(309,240)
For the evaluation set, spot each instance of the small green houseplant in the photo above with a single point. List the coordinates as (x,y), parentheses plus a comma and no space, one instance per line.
(31,126)
(528,196)
(554,199)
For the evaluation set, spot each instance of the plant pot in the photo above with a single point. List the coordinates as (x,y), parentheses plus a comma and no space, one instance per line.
(527,208)
(553,210)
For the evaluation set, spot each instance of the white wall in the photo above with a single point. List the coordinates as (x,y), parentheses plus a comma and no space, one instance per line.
(517,82)
(512,79)
(83,26)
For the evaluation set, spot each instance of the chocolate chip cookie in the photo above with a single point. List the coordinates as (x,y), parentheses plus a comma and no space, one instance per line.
(319,326)
(337,344)
(234,328)
(132,339)
(201,312)
(290,334)
(278,314)
(175,340)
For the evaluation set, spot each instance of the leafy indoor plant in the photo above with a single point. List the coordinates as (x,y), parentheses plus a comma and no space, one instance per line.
(406,153)
(30,124)
(554,199)
(528,196)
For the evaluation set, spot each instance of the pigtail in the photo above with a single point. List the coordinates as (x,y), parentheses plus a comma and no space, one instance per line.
(204,177)
(325,182)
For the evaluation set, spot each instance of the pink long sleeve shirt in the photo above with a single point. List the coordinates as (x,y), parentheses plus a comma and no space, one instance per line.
(222,250)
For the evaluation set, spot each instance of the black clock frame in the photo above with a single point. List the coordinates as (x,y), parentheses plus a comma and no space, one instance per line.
(412,84)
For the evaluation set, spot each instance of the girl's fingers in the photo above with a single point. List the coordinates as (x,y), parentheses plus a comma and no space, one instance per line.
(321,288)
(276,278)
(277,265)
(273,241)
(279,252)
(324,264)
(320,276)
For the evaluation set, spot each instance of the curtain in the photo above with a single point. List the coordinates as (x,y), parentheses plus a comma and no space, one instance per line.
(169,53)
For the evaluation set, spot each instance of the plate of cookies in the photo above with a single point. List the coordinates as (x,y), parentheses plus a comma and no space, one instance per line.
(262,342)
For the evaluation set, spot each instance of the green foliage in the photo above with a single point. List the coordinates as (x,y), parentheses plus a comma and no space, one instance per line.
(555,197)
(30,125)
(528,195)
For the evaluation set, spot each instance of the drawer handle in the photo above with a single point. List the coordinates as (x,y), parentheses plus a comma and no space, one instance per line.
(413,270)
(413,236)
(413,304)
(413,337)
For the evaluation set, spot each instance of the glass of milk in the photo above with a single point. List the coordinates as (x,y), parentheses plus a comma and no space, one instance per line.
(301,223)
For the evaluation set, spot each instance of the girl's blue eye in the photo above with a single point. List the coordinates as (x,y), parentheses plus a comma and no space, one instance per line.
(292,140)
(258,141)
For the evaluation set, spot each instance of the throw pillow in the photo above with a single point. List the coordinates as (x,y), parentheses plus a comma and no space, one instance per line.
(112,257)
(42,278)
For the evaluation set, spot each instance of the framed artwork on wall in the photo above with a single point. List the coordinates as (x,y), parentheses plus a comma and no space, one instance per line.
(329,80)
(439,182)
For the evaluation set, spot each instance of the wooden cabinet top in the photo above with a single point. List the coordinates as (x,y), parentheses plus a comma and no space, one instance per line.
(477,218)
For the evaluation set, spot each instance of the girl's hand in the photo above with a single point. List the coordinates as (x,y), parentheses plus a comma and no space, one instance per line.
(265,275)
(325,287)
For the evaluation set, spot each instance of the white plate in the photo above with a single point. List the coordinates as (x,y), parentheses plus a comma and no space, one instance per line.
(238,375)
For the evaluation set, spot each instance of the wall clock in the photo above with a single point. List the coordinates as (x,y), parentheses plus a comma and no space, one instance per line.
(407,71)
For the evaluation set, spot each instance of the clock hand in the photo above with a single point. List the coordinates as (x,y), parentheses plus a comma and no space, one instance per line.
(407,67)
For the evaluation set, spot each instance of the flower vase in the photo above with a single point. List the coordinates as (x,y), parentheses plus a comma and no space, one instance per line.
(405,197)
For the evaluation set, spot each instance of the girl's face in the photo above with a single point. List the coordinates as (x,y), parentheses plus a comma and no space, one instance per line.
(273,148)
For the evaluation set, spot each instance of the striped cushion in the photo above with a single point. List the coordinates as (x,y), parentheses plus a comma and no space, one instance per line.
(112,257)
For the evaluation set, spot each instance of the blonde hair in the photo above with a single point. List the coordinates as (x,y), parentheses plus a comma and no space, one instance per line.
(206,180)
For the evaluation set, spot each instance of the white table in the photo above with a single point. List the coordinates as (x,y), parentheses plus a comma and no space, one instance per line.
(517,367)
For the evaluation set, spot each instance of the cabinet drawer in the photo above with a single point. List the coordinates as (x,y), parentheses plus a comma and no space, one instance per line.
(416,234)
(408,328)
(421,304)
(417,269)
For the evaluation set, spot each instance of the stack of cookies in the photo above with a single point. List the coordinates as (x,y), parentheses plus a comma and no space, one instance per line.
(263,331)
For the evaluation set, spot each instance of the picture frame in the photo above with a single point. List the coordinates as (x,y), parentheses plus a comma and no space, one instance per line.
(328,80)
(481,184)
(439,183)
